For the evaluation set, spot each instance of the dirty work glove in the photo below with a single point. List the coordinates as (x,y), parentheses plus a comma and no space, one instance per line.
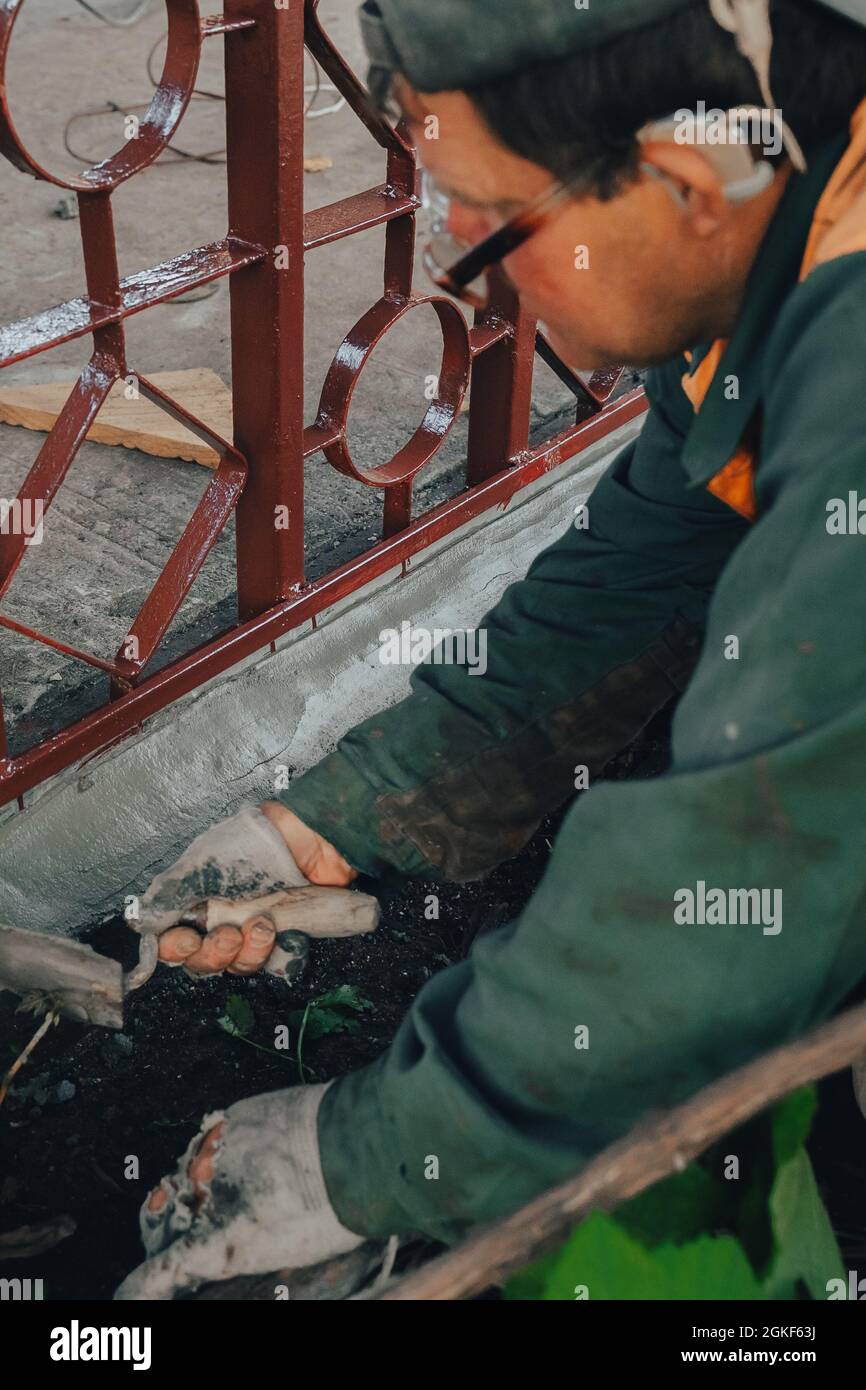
(265,1206)
(252,857)
(244,856)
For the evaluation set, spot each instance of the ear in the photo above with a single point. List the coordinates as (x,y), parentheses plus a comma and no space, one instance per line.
(692,178)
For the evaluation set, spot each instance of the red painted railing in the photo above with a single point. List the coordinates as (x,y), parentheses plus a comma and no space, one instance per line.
(260,473)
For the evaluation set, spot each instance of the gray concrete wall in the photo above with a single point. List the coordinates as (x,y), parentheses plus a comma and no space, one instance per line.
(94,834)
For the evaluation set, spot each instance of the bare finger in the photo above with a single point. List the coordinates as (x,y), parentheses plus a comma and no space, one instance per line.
(201,1167)
(177,944)
(259,934)
(216,952)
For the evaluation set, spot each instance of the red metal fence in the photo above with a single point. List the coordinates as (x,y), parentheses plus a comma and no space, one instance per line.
(260,474)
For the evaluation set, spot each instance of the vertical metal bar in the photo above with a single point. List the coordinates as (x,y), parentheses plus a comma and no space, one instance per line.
(265,146)
(501,391)
(402,179)
(99,246)
(398,509)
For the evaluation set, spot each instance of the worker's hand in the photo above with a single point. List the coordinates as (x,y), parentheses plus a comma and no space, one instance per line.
(248,1198)
(251,854)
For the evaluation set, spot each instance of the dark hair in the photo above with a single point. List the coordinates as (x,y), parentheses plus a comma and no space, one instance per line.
(579,115)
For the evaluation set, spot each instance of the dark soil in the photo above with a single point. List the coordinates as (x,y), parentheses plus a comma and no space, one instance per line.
(91,1098)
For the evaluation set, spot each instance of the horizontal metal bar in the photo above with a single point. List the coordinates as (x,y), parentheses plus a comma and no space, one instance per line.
(355,214)
(20,774)
(317,438)
(76,317)
(487,335)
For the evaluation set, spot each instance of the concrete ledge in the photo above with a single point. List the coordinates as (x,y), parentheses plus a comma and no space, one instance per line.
(98,832)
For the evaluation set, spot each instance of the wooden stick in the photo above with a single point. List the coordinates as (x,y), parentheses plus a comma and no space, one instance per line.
(16,1066)
(654,1149)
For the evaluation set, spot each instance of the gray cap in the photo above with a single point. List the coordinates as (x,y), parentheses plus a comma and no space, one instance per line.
(442,44)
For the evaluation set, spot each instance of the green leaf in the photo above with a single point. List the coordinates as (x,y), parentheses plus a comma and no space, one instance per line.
(321,1022)
(345,997)
(792,1122)
(807,1250)
(663,1243)
(677,1209)
(331,1013)
(530,1283)
(239,1018)
(711,1267)
(763,1146)
(602,1258)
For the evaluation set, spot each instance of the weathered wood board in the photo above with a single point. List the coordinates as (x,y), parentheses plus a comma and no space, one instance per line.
(136,423)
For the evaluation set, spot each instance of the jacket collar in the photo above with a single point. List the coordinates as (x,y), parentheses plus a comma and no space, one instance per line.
(721,423)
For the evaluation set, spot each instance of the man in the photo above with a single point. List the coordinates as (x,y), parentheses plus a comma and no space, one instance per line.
(687,923)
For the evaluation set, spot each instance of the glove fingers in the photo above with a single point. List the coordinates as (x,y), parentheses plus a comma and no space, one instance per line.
(261,1203)
(183,1200)
(177,944)
(241,857)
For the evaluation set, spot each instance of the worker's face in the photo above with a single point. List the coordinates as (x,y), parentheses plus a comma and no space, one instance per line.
(636,279)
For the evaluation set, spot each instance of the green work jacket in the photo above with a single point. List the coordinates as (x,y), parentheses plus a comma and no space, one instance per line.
(641,969)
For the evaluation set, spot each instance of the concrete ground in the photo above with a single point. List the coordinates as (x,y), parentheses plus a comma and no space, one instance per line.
(120,511)
(95,832)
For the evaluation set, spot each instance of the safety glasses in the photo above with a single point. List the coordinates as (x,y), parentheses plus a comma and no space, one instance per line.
(465,273)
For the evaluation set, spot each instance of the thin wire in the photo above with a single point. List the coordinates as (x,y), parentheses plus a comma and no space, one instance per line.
(112,108)
(180,155)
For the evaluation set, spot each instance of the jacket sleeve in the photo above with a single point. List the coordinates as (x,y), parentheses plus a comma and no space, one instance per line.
(602,632)
(685,923)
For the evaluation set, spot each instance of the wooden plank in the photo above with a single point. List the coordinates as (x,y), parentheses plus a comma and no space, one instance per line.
(135,423)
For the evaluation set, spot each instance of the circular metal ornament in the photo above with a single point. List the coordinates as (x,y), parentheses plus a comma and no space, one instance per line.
(442,410)
(158,124)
